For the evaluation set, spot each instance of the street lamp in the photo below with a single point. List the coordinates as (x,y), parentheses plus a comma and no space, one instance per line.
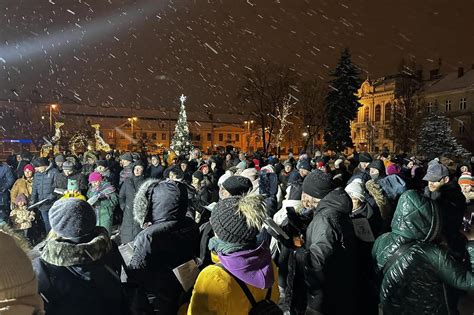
(248,123)
(51,107)
(131,120)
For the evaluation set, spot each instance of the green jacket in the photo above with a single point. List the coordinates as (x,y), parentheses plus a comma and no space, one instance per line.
(105,205)
(417,281)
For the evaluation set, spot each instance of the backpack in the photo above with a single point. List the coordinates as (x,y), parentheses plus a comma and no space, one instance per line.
(264,307)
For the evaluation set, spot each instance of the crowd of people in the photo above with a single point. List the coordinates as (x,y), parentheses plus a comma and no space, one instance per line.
(235,233)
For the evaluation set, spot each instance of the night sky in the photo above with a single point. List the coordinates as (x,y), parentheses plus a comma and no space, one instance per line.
(146,53)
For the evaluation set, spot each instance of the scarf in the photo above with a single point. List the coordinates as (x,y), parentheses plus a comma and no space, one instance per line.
(222,247)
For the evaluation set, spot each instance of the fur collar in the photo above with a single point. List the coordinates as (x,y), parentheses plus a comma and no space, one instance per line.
(59,252)
(141,203)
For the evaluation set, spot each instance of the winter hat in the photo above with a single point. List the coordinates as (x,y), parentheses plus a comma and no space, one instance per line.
(95,177)
(127,156)
(355,189)
(365,157)
(436,171)
(250,173)
(337,163)
(256,163)
(378,165)
(465,179)
(72,185)
(224,177)
(18,283)
(238,219)
(59,158)
(318,184)
(72,218)
(41,161)
(21,198)
(199,175)
(393,169)
(68,166)
(304,165)
(29,167)
(237,185)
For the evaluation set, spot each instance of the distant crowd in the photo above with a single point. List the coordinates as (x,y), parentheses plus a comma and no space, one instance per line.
(235,233)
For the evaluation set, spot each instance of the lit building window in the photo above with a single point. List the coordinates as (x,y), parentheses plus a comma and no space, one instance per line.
(378,113)
(462,103)
(388,112)
(447,106)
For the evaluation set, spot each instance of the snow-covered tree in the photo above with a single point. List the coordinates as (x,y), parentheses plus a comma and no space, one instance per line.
(436,138)
(181,142)
(342,103)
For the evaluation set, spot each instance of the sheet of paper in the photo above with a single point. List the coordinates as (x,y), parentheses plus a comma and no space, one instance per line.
(362,230)
(187,274)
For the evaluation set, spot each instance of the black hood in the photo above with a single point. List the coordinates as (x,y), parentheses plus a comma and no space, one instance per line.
(378,165)
(337,200)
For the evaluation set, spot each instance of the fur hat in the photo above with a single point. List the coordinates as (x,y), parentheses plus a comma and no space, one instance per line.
(365,157)
(41,161)
(237,185)
(18,282)
(95,177)
(318,184)
(465,179)
(72,218)
(355,189)
(238,219)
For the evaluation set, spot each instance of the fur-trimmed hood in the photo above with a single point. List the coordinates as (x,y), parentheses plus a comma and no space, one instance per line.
(60,252)
(160,201)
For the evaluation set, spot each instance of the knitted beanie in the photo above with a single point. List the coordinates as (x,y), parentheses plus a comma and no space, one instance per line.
(304,164)
(238,219)
(68,166)
(59,158)
(365,157)
(237,185)
(318,184)
(18,283)
(95,177)
(393,169)
(199,175)
(72,218)
(355,189)
(29,167)
(465,179)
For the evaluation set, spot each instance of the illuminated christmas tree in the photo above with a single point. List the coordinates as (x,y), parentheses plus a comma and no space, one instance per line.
(181,142)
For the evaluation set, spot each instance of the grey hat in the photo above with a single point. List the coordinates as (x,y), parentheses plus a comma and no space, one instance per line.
(435,172)
(68,166)
(72,218)
(127,157)
(59,158)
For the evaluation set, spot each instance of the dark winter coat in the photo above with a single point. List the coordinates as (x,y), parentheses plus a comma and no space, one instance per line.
(78,279)
(170,241)
(43,187)
(127,172)
(61,181)
(19,168)
(129,228)
(6,182)
(340,176)
(415,283)
(155,171)
(331,244)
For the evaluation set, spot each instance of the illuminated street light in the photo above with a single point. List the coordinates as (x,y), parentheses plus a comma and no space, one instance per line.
(131,120)
(51,107)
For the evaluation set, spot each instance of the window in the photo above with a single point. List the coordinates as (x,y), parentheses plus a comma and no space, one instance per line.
(461,128)
(134,135)
(229,137)
(366,113)
(153,136)
(448,106)
(144,135)
(462,104)
(197,137)
(388,112)
(221,137)
(378,113)
(429,109)
(209,137)
(237,137)
(163,136)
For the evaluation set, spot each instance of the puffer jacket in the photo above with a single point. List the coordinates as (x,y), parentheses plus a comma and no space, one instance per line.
(21,186)
(416,282)
(171,240)
(331,244)
(82,279)
(43,187)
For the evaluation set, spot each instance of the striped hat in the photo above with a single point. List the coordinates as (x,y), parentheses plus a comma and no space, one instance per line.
(465,179)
